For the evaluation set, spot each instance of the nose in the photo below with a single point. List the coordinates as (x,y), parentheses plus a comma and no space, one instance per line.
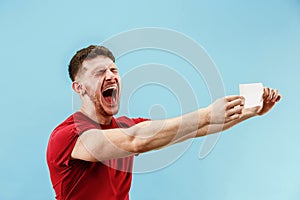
(109,75)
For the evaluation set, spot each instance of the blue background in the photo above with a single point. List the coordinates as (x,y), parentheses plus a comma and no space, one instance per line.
(250,41)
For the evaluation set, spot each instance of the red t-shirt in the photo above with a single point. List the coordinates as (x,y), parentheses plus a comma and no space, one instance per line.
(74,179)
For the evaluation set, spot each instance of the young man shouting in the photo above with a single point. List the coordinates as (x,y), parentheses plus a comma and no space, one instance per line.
(90,154)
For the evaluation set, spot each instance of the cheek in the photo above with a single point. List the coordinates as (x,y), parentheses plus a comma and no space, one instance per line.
(90,90)
(98,83)
(94,85)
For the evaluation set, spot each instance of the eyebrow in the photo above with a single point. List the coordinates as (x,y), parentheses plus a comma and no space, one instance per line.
(99,68)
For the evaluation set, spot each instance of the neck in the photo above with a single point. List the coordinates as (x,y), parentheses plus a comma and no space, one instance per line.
(95,115)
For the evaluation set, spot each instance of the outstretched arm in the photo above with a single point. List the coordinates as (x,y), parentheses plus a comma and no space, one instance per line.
(97,145)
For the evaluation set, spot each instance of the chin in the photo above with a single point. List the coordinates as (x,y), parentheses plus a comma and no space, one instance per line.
(111,111)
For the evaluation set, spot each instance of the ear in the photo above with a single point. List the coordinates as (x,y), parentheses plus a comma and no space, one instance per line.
(77,87)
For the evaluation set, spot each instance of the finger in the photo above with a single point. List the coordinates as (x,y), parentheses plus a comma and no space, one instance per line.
(234,110)
(234,103)
(232,117)
(266,92)
(234,97)
(278,98)
(274,96)
(271,92)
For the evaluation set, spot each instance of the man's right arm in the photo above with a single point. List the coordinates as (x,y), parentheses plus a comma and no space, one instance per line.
(98,145)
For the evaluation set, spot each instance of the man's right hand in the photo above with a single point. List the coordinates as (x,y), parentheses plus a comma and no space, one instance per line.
(225,109)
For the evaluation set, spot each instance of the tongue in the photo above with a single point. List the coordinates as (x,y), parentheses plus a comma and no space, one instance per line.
(109,99)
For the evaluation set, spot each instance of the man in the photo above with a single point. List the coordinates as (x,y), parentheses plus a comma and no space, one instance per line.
(90,155)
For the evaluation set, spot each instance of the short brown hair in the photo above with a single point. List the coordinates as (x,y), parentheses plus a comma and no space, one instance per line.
(87,53)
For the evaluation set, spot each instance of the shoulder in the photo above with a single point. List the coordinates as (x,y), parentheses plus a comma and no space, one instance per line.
(73,126)
(63,135)
(62,141)
(67,126)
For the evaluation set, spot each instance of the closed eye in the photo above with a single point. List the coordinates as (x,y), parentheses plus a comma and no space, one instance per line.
(99,73)
(114,70)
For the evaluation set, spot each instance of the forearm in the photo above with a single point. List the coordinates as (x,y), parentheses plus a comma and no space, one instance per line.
(216,128)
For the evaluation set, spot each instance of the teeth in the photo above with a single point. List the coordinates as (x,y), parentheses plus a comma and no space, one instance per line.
(111,87)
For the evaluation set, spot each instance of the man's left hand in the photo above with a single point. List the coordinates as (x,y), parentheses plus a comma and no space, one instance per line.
(270,98)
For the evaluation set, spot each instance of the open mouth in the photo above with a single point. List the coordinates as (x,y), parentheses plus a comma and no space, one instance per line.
(110,95)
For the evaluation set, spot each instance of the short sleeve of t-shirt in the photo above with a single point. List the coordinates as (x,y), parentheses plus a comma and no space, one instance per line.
(61,145)
(64,137)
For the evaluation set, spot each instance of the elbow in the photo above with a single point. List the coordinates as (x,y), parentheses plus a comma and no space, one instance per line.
(137,144)
(140,145)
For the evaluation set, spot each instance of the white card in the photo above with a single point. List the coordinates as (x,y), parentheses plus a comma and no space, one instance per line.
(253,94)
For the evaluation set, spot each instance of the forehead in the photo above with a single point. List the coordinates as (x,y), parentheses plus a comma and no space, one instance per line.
(97,63)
